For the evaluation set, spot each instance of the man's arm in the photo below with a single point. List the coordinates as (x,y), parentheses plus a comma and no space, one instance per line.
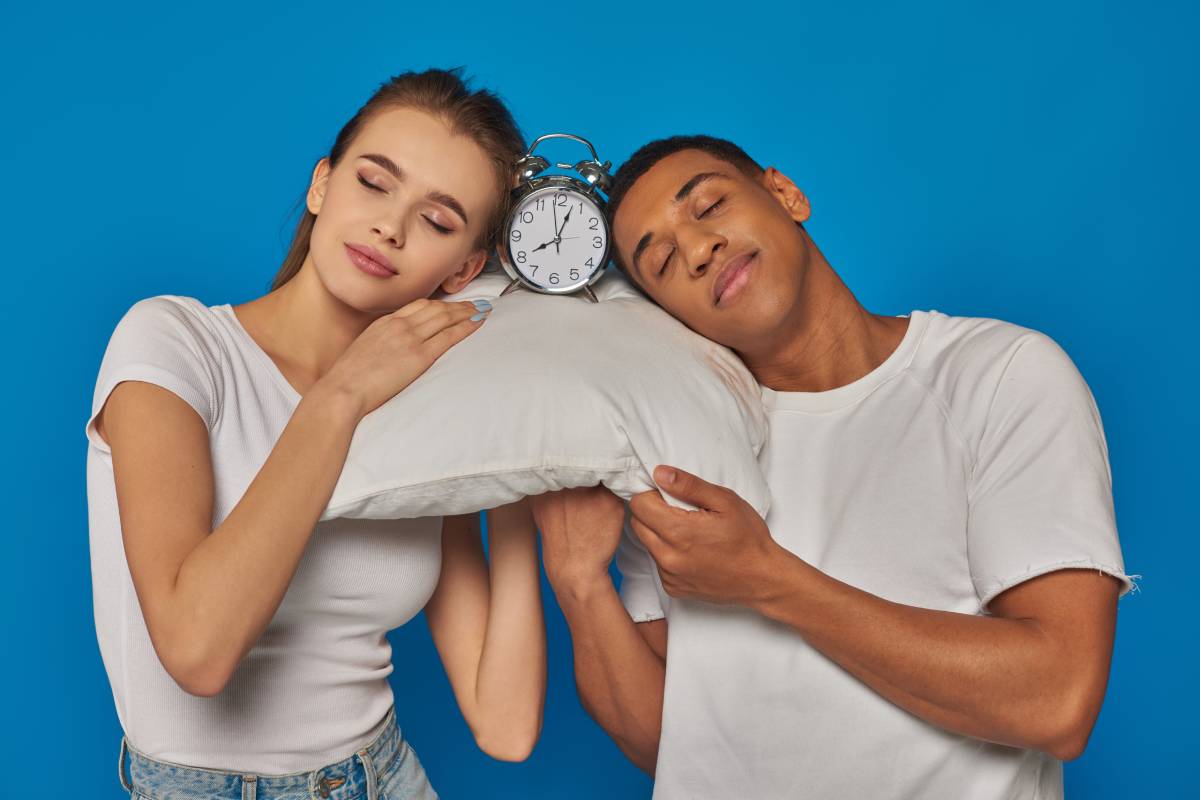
(619,664)
(1032,675)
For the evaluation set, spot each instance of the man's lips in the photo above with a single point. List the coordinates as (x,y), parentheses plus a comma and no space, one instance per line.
(731,271)
(371,254)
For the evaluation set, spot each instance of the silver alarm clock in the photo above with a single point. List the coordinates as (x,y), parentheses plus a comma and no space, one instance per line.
(556,238)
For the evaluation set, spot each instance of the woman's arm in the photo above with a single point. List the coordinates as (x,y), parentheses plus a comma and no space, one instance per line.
(486,621)
(207,595)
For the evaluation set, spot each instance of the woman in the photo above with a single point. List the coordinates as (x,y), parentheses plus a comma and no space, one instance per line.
(245,643)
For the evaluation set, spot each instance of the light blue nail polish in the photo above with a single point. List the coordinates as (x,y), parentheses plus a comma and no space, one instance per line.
(482,305)
(479,316)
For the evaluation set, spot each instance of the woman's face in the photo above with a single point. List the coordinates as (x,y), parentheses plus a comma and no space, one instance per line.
(402,212)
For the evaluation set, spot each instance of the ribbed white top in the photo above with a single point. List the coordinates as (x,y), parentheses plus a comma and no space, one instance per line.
(314,688)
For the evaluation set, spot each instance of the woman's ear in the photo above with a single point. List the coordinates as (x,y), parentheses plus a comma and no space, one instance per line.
(466,273)
(316,189)
(787,194)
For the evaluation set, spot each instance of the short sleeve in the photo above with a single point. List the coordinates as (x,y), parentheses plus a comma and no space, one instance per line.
(641,592)
(1041,489)
(159,340)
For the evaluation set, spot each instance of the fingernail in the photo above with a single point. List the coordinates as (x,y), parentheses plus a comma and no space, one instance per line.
(482,305)
(666,475)
(480,315)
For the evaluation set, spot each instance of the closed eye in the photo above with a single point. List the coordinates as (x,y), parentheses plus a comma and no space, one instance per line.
(711,208)
(666,261)
(439,228)
(370,185)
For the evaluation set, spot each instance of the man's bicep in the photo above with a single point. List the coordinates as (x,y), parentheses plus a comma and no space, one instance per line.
(1077,607)
(655,634)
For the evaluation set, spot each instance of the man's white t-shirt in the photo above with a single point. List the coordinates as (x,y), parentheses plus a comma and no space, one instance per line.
(971,460)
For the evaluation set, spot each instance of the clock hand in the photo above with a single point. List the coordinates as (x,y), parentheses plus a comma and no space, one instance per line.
(542,246)
(558,234)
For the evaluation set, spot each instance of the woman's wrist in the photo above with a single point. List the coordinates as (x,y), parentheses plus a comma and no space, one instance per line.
(341,403)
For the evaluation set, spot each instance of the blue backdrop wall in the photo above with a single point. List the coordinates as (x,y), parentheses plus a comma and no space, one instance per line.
(1034,162)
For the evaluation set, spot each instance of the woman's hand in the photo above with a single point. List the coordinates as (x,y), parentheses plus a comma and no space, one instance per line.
(394,350)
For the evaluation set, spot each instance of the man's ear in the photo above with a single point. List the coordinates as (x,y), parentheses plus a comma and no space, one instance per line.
(316,189)
(466,273)
(787,194)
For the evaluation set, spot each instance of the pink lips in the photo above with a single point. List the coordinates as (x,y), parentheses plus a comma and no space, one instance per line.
(734,275)
(369,260)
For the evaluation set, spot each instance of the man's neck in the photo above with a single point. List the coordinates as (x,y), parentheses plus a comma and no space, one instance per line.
(832,340)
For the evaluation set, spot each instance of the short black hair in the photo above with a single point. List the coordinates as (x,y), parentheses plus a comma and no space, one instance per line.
(651,153)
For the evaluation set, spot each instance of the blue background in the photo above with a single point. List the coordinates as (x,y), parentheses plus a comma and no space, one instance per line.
(1029,161)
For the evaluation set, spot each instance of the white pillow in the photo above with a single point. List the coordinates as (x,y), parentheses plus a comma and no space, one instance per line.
(555,392)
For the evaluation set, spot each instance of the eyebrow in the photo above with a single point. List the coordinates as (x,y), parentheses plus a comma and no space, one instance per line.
(680,196)
(447,200)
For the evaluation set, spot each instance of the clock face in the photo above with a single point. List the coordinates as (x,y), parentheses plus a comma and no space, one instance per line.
(557,238)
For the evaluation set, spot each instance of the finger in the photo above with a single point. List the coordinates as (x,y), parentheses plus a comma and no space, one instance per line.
(651,509)
(437,345)
(691,489)
(654,544)
(425,326)
(418,305)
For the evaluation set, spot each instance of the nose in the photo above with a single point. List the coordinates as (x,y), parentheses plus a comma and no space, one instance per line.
(391,231)
(700,247)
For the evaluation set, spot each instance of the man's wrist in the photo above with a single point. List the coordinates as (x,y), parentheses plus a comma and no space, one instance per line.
(574,589)
(783,579)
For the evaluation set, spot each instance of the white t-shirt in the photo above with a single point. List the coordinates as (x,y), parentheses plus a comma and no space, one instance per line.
(314,687)
(971,460)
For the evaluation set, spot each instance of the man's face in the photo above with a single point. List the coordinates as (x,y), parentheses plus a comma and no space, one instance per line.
(719,250)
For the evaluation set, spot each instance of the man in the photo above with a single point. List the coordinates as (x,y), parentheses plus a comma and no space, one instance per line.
(927,610)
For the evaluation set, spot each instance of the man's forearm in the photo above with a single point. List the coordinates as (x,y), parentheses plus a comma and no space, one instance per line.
(619,677)
(1002,680)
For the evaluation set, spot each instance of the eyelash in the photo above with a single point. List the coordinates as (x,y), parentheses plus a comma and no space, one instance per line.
(442,230)
(666,261)
(368,184)
(713,207)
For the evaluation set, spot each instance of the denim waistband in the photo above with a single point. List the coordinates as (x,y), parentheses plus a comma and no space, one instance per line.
(351,778)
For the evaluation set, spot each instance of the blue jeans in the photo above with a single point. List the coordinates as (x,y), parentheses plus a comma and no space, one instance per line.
(386,769)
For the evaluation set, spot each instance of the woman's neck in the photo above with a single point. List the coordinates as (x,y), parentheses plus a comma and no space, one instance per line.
(302,327)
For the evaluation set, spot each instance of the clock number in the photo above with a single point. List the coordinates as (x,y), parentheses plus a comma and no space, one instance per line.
(574,274)
(527,217)
(534,267)
(554,278)
(580,206)
(597,242)
(589,263)
(541,204)
(521,257)
(593,224)
(516,235)
(560,199)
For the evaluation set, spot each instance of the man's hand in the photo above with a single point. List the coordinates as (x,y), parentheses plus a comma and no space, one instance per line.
(580,532)
(722,553)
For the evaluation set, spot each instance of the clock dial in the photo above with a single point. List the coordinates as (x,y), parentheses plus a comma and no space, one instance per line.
(557,238)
